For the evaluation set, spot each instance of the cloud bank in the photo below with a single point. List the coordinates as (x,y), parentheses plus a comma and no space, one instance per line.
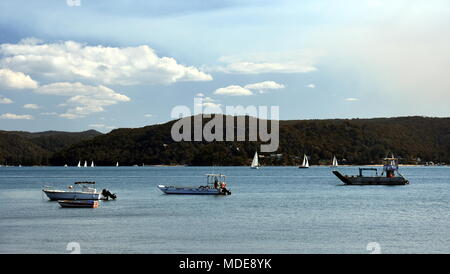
(261,87)
(72,61)
(15,80)
(84,99)
(12,116)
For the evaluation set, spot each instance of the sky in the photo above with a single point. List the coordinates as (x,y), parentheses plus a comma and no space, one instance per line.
(75,65)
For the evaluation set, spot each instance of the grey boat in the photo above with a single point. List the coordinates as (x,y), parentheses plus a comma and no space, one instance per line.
(389,176)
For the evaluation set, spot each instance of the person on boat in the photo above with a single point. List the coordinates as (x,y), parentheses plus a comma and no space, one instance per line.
(390,174)
(216,183)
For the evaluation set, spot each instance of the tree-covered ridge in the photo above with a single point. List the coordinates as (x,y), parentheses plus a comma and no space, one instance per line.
(353,141)
(26,148)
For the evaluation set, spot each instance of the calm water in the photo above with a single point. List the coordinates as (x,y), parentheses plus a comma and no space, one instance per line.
(271,210)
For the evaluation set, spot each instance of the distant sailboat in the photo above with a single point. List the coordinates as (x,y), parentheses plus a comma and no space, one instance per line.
(305,163)
(117,164)
(65,165)
(85,163)
(255,162)
(79,163)
(92,164)
(335,162)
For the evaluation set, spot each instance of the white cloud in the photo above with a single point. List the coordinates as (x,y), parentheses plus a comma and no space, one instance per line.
(263,87)
(72,61)
(233,90)
(208,105)
(102,126)
(4,100)
(311,86)
(31,106)
(84,99)
(49,113)
(285,62)
(11,116)
(16,80)
(199,95)
(264,67)
(148,115)
(351,99)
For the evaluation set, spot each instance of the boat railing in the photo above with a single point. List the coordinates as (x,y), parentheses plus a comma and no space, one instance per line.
(367,169)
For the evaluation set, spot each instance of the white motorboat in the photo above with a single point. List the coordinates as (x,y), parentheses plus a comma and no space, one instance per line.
(215,185)
(81,191)
(255,162)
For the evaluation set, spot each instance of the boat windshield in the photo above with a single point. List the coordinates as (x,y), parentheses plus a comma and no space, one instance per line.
(367,169)
(390,164)
(215,179)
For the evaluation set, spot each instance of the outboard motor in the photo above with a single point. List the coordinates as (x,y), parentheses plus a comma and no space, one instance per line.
(226,191)
(106,194)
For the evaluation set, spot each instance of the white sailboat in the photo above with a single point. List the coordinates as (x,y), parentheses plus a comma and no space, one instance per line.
(305,163)
(79,164)
(92,164)
(117,164)
(85,163)
(255,162)
(335,162)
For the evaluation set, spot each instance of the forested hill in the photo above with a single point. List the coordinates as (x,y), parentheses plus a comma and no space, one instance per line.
(353,141)
(26,148)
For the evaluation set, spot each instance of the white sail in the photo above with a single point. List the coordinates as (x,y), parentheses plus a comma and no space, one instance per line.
(85,163)
(335,162)
(305,161)
(117,164)
(255,163)
(79,164)
(92,164)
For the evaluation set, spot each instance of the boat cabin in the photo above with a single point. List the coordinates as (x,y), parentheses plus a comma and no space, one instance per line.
(85,186)
(390,166)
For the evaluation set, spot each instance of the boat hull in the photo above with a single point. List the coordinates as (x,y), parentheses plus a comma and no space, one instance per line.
(303,167)
(190,190)
(78,203)
(376,180)
(55,195)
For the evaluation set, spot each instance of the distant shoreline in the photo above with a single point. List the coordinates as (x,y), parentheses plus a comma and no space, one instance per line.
(371,165)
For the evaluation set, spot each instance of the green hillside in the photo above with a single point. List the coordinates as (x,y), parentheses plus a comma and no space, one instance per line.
(353,141)
(26,148)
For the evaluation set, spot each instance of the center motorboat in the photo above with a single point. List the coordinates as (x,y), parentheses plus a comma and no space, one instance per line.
(80,191)
(215,185)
